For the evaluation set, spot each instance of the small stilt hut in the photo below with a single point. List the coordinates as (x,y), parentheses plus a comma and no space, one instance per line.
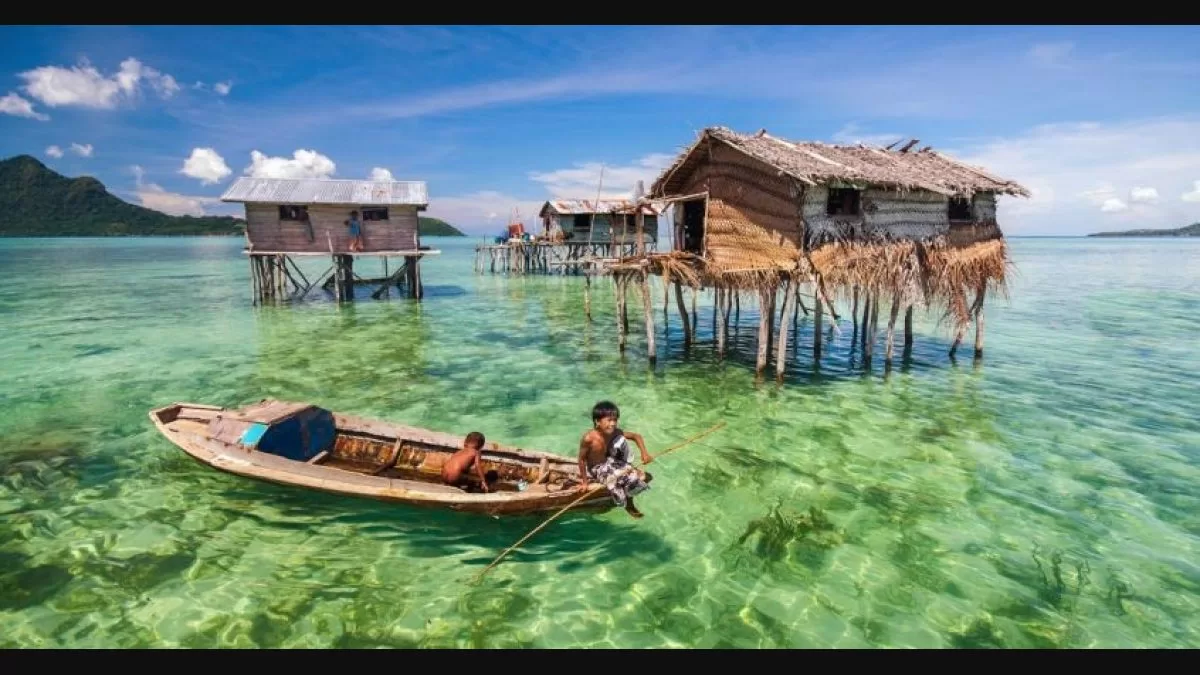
(864,226)
(286,218)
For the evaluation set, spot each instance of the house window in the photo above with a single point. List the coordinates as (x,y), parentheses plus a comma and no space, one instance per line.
(374,214)
(843,202)
(960,209)
(289,212)
(583,222)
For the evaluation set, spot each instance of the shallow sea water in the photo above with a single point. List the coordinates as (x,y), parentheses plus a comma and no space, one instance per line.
(1048,496)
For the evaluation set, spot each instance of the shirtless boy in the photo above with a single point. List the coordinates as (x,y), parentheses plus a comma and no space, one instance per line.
(604,457)
(455,470)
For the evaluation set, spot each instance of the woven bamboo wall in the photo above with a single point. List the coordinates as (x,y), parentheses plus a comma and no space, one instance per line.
(752,220)
(268,233)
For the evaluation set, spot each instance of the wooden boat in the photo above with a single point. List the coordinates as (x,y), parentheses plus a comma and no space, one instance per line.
(307,446)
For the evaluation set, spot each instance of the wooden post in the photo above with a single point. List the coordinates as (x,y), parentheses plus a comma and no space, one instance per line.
(960,330)
(587,293)
(624,305)
(818,310)
(874,319)
(723,316)
(621,326)
(666,281)
(979,325)
(789,305)
(868,330)
(866,315)
(687,324)
(695,319)
(854,315)
(648,309)
(908,329)
(891,329)
(764,318)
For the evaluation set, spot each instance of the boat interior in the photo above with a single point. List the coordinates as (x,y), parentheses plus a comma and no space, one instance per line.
(310,434)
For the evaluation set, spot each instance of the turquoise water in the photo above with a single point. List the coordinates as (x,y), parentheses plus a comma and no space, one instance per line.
(1047,496)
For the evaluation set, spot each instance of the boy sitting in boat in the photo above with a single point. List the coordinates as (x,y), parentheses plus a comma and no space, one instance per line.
(604,457)
(456,469)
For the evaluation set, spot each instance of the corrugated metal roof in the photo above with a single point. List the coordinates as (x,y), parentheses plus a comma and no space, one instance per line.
(326,191)
(565,207)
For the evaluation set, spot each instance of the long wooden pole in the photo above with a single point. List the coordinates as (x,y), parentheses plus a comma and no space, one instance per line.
(588,493)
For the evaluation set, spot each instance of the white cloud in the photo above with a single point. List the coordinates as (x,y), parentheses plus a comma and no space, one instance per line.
(304,164)
(54,151)
(851,134)
(1062,164)
(223,88)
(206,165)
(84,150)
(1113,205)
(83,85)
(582,180)
(1051,54)
(153,196)
(381,174)
(1194,195)
(479,213)
(198,85)
(1143,194)
(14,104)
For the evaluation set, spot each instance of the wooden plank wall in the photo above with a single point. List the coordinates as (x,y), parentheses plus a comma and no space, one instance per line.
(267,232)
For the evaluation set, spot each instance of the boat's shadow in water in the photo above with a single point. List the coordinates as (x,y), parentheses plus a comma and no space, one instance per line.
(574,539)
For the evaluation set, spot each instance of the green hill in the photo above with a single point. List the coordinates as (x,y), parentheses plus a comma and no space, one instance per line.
(1192,230)
(35,201)
(435,227)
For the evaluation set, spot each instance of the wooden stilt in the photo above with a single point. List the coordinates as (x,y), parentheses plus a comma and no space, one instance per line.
(854,311)
(961,329)
(818,310)
(789,306)
(687,324)
(695,293)
(783,309)
(796,309)
(587,295)
(868,331)
(908,330)
(723,318)
(770,310)
(649,315)
(866,315)
(874,320)
(666,281)
(978,307)
(624,306)
(737,308)
(891,329)
(764,319)
(621,325)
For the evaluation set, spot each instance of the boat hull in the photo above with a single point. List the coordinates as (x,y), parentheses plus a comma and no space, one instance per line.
(369,459)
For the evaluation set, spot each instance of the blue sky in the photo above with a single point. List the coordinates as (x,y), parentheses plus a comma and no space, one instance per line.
(1102,123)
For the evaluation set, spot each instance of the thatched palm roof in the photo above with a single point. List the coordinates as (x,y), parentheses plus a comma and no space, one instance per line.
(816,163)
(566,207)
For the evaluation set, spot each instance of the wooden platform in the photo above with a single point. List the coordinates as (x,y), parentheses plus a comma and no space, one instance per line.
(353,253)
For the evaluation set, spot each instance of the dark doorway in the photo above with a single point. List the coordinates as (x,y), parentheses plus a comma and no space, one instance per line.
(692,237)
